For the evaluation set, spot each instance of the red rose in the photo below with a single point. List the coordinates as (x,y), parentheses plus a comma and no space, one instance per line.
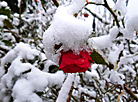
(72,63)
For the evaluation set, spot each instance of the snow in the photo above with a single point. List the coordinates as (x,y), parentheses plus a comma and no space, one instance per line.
(3,4)
(47,64)
(56,79)
(28,83)
(23,79)
(121,7)
(86,91)
(132,7)
(75,6)
(98,1)
(113,54)
(130,26)
(19,2)
(113,32)
(104,41)
(115,77)
(128,69)
(51,10)
(63,94)
(92,74)
(100,42)
(67,30)
(2,18)
(22,50)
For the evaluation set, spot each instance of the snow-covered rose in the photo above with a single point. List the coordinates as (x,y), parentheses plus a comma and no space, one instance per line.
(72,63)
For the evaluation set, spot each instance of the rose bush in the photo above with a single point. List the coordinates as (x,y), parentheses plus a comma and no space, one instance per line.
(72,63)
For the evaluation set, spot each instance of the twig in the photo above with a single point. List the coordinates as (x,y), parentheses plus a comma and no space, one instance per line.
(130,92)
(20,17)
(100,19)
(94,3)
(16,36)
(70,93)
(3,49)
(129,48)
(43,5)
(127,2)
(112,12)
(56,3)
(82,80)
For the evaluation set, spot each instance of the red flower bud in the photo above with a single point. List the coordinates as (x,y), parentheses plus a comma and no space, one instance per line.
(35,0)
(86,15)
(72,63)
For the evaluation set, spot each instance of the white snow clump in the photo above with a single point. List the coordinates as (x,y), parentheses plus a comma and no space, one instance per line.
(131,25)
(121,7)
(105,40)
(67,30)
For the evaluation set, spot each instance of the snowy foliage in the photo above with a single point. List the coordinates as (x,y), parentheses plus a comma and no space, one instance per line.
(31,41)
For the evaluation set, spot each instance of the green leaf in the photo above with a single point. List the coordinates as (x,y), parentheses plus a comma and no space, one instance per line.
(7,42)
(8,24)
(39,93)
(119,13)
(98,58)
(53,69)
(6,12)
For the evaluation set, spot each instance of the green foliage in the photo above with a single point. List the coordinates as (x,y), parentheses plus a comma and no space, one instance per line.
(8,24)
(7,42)
(98,58)
(53,69)
(5,11)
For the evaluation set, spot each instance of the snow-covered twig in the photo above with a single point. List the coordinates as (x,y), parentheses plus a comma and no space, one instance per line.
(63,94)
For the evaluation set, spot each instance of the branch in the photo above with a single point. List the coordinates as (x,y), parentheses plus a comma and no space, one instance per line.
(112,12)
(3,49)
(70,93)
(130,92)
(100,19)
(56,3)
(20,16)
(43,5)
(16,36)
(94,3)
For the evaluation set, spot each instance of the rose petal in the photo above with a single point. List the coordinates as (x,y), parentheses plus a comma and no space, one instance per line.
(80,61)
(71,63)
(84,65)
(66,59)
(74,56)
(71,69)
(85,54)
(83,70)
(62,64)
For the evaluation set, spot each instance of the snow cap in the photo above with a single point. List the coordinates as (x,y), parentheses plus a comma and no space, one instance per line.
(67,30)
